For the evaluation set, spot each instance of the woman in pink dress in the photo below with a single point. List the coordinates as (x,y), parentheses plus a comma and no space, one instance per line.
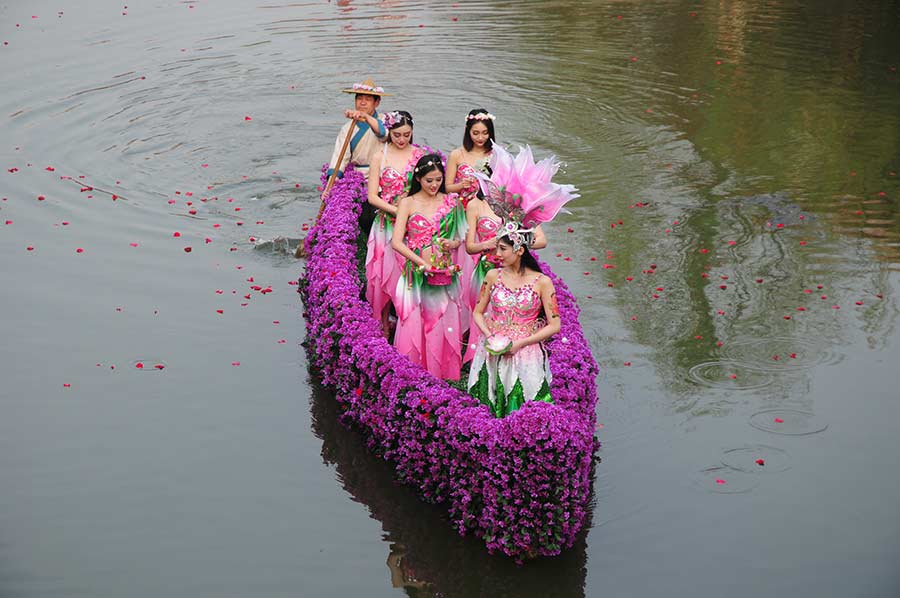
(429,229)
(516,312)
(481,242)
(388,174)
(478,139)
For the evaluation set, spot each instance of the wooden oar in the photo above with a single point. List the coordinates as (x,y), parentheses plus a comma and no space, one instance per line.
(301,248)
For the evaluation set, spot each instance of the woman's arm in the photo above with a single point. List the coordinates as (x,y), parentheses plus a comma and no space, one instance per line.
(397,244)
(540,239)
(483,298)
(551,309)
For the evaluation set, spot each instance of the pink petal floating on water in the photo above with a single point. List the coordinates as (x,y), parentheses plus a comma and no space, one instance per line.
(79,250)
(778,420)
(235,363)
(176,234)
(133,244)
(760,462)
(247,118)
(220,311)
(188,249)
(627,363)
(159,366)
(139,365)
(66,385)
(720,481)
(30,248)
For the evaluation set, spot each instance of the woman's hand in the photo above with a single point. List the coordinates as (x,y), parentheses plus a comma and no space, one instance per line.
(490,244)
(449,244)
(517,344)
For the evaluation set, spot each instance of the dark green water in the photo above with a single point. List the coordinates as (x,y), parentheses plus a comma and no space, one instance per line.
(738,165)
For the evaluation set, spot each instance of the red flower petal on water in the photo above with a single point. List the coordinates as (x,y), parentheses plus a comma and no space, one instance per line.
(9,222)
(79,250)
(778,420)
(207,240)
(720,481)
(220,311)
(733,376)
(247,118)
(30,248)
(859,302)
(801,309)
(139,365)
(793,356)
(723,286)
(759,280)
(704,251)
(188,250)
(803,242)
(159,366)
(629,278)
(627,363)
(786,317)
(835,307)
(176,234)
(760,462)
(571,230)
(133,244)
(66,385)
(235,363)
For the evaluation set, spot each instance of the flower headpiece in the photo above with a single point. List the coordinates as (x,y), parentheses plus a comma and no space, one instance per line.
(425,166)
(481,116)
(519,191)
(391,119)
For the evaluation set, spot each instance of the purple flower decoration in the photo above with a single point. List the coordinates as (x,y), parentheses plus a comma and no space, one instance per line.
(520,483)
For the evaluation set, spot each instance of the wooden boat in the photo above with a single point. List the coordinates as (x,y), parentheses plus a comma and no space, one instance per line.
(520,483)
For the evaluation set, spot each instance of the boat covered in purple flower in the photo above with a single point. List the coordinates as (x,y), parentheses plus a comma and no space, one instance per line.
(520,483)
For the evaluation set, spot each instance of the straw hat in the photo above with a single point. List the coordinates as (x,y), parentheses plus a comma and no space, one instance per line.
(367,87)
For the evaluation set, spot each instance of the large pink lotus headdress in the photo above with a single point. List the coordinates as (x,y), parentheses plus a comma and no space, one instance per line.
(520,191)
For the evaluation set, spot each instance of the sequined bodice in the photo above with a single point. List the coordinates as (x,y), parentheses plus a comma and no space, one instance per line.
(462,172)
(486,228)
(392,182)
(515,312)
(421,230)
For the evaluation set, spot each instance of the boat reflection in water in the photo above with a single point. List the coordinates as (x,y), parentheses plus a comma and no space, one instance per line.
(426,557)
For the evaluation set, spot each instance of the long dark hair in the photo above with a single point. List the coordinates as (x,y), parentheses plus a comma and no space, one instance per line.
(527,260)
(470,122)
(405,119)
(426,164)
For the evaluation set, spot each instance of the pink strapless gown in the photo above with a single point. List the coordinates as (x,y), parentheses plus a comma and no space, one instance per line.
(505,382)
(429,326)
(383,265)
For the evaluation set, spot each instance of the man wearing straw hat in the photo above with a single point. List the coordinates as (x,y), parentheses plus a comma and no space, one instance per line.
(368,130)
